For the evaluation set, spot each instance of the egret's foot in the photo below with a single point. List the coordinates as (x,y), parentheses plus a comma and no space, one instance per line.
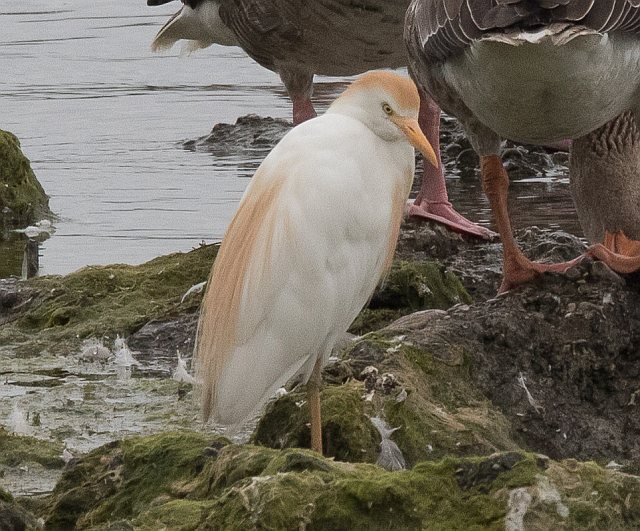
(518,269)
(620,253)
(443,212)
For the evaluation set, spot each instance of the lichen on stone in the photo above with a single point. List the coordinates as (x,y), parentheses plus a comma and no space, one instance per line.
(22,198)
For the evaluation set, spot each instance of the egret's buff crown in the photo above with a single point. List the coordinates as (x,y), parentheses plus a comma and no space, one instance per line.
(401,89)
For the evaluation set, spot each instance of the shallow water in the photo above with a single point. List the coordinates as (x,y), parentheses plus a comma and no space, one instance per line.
(101,119)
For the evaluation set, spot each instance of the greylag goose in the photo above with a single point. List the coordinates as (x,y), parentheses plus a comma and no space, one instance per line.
(297,265)
(538,71)
(328,37)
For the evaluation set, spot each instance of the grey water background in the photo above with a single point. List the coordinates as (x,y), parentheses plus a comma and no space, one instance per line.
(101,118)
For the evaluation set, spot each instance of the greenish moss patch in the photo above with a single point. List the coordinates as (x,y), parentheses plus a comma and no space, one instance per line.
(18,449)
(348,434)
(106,300)
(22,199)
(410,286)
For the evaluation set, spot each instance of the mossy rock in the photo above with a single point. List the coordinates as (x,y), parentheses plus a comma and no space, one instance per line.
(410,286)
(105,301)
(440,413)
(13,517)
(22,198)
(348,434)
(179,481)
(18,449)
(123,478)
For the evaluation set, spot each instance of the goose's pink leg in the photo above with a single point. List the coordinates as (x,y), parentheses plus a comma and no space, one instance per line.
(432,202)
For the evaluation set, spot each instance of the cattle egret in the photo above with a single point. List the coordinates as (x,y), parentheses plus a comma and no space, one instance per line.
(298,263)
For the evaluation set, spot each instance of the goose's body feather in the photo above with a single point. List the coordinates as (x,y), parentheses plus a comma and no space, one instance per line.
(534,71)
(329,37)
(298,263)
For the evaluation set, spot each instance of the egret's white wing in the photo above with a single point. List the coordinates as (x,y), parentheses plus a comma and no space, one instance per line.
(299,260)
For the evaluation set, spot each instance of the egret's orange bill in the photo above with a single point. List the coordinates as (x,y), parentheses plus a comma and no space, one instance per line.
(416,137)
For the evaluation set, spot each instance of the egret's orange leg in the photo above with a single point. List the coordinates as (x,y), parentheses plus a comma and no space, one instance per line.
(517,268)
(620,253)
(313,397)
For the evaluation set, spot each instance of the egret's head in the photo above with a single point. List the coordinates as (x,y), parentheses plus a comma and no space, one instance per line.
(388,104)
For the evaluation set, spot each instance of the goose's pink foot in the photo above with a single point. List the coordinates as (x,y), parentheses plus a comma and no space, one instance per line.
(620,253)
(302,109)
(432,202)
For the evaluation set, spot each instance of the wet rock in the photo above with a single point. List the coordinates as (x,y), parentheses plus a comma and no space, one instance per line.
(167,482)
(250,133)
(22,199)
(12,516)
(166,336)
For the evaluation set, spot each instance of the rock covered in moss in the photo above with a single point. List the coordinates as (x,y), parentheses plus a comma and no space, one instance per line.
(22,198)
(348,434)
(182,481)
(16,450)
(99,301)
(410,286)
(432,401)
(12,516)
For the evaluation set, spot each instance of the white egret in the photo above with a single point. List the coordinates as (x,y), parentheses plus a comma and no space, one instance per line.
(298,262)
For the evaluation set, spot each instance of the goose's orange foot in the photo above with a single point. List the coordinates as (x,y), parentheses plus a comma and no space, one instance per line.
(620,253)
(518,269)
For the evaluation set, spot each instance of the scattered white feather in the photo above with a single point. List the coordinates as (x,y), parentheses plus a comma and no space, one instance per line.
(522,383)
(123,356)
(43,226)
(94,350)
(181,374)
(402,395)
(17,422)
(281,392)
(196,288)
(390,457)
(66,455)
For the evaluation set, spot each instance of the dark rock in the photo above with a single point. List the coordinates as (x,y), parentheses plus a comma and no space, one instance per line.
(163,337)
(250,133)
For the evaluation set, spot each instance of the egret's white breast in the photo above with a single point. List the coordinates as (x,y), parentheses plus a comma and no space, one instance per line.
(536,90)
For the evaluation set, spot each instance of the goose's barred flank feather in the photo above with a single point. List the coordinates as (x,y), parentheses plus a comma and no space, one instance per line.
(447,27)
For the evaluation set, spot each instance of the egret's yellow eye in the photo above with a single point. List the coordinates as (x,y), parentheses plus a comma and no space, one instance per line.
(387,108)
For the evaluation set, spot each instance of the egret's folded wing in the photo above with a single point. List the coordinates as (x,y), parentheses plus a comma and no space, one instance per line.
(241,282)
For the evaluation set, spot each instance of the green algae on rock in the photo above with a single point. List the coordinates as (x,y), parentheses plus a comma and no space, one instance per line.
(18,449)
(410,286)
(12,516)
(441,412)
(179,480)
(348,435)
(99,301)
(22,198)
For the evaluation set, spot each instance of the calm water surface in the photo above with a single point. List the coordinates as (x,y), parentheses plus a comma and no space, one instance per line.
(101,118)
